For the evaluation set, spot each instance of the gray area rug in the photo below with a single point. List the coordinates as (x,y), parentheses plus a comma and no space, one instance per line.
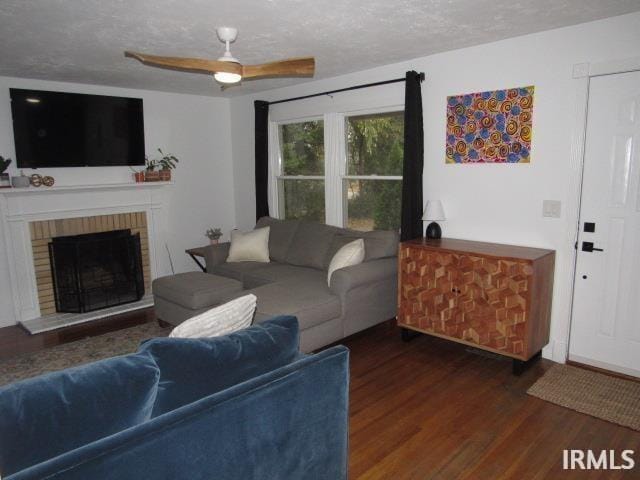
(609,398)
(76,353)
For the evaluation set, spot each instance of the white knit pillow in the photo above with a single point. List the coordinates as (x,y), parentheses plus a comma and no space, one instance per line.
(350,254)
(249,246)
(229,317)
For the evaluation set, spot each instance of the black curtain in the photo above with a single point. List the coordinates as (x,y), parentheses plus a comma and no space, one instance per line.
(411,223)
(262,158)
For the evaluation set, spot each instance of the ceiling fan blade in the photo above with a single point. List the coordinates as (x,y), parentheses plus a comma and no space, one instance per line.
(196,65)
(292,67)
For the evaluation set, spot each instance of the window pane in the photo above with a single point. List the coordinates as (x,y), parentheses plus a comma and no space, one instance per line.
(302,146)
(375,144)
(304,199)
(373,204)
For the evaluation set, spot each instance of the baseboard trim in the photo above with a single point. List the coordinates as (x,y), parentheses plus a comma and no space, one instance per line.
(559,353)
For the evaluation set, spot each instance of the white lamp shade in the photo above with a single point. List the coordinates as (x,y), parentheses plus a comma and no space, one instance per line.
(227,78)
(433,211)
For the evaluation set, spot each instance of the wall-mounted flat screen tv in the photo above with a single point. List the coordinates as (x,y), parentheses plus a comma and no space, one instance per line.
(56,129)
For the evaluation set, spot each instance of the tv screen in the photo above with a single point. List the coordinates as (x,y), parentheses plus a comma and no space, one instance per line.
(55,129)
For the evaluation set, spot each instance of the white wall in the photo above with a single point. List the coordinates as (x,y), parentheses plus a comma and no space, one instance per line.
(194,128)
(499,203)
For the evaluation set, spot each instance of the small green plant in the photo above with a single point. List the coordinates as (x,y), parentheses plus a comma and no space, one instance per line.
(4,164)
(166,162)
(150,164)
(213,233)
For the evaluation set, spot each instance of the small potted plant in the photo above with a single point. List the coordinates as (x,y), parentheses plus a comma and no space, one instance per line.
(213,234)
(166,163)
(138,175)
(5,181)
(150,173)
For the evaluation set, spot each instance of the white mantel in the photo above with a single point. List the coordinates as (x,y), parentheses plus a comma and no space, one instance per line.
(19,206)
(28,191)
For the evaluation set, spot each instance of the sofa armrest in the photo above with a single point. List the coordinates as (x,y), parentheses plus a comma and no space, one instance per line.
(365,273)
(216,254)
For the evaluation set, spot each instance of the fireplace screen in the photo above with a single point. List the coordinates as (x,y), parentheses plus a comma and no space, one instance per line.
(96,270)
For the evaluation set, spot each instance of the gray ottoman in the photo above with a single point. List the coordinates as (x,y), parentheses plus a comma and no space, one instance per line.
(182,296)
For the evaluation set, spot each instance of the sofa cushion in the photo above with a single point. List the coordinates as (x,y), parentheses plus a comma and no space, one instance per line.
(221,320)
(377,244)
(250,246)
(43,417)
(350,254)
(310,300)
(276,272)
(339,241)
(244,272)
(195,290)
(238,270)
(191,368)
(281,236)
(310,245)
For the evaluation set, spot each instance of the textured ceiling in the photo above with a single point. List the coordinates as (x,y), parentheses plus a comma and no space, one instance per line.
(83,40)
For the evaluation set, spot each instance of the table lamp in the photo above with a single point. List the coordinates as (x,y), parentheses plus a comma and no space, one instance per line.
(432,212)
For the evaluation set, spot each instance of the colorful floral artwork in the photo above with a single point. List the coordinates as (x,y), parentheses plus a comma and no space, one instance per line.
(490,127)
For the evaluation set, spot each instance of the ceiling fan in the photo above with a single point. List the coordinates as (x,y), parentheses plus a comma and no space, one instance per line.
(227,70)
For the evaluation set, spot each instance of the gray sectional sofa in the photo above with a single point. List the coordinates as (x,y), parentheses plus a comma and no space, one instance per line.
(294,282)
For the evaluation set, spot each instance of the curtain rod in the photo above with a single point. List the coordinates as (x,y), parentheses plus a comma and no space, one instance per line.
(355,87)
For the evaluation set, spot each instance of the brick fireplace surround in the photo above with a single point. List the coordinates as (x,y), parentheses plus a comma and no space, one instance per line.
(42,231)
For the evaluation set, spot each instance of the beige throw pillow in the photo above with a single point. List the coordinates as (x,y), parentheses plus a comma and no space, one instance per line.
(250,246)
(350,254)
(229,317)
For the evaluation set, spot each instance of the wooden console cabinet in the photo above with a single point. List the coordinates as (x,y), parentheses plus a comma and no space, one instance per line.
(490,296)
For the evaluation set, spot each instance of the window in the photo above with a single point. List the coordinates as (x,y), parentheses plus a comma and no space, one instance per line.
(373,183)
(356,183)
(301,184)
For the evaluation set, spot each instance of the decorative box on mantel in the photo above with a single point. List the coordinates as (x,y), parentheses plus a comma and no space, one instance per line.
(490,296)
(32,216)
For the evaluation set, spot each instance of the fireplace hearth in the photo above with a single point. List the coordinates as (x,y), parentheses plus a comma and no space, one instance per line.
(96,270)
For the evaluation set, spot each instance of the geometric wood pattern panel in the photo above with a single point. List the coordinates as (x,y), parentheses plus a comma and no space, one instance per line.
(44,230)
(482,300)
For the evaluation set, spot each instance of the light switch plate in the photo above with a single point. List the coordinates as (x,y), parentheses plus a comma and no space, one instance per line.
(551,208)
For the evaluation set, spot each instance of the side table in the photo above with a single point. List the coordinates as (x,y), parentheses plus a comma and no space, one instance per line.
(196,254)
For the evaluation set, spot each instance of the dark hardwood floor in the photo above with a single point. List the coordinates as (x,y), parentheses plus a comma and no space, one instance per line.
(432,409)
(16,340)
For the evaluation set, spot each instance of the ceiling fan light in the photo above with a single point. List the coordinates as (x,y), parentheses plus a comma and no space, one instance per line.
(226,77)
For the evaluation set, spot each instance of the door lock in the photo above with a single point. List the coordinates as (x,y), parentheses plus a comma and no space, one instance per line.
(588,247)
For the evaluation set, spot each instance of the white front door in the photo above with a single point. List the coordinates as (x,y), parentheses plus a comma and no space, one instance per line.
(605,326)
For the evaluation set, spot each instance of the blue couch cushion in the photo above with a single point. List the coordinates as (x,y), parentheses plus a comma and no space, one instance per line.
(43,417)
(191,369)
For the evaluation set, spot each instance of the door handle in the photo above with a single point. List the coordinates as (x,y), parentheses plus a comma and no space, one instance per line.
(588,247)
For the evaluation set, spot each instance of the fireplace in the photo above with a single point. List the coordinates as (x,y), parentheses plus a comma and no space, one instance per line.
(96,270)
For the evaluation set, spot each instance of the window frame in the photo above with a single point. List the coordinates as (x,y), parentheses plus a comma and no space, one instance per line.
(335,163)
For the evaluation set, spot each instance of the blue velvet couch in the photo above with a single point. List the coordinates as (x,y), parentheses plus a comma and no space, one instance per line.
(243,406)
